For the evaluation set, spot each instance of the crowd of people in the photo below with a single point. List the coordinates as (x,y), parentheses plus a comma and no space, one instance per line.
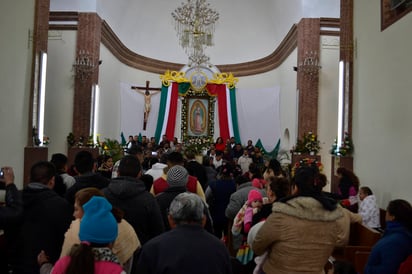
(158,210)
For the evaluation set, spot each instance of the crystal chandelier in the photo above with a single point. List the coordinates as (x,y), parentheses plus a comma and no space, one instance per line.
(84,65)
(195,25)
(310,65)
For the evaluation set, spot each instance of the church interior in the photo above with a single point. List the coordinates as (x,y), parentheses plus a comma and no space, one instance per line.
(333,68)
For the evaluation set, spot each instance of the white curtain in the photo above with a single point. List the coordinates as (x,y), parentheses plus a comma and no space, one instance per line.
(258,115)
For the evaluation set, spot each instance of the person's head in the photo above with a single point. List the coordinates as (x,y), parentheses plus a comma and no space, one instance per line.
(137,152)
(219,155)
(249,142)
(135,138)
(175,158)
(129,166)
(83,196)
(59,160)
(240,180)
(245,153)
(364,192)
(98,224)
(219,140)
(130,138)
(306,181)
(84,162)
(274,168)
(277,187)
(225,171)
(232,140)
(254,198)
(343,172)
(186,208)
(177,176)
(107,160)
(190,154)
(147,180)
(401,211)
(43,172)
(254,171)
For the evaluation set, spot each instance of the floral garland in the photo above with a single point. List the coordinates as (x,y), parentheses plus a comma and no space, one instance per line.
(306,162)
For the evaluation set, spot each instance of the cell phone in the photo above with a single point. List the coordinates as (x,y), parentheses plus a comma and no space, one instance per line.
(1,174)
(154,153)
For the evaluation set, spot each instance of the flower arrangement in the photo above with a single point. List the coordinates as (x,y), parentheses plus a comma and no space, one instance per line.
(308,144)
(346,148)
(198,145)
(46,140)
(306,162)
(113,148)
(70,139)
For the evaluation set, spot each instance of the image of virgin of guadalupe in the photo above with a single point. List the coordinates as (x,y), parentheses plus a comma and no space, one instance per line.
(198,118)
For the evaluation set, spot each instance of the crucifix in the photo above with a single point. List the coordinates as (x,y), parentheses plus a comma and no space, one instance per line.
(147,99)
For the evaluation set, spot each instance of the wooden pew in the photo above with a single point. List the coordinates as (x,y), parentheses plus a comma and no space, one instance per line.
(361,241)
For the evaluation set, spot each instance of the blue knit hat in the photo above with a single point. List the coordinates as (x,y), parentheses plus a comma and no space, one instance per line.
(98,224)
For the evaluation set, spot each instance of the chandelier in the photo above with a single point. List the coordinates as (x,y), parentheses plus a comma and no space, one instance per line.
(84,65)
(310,65)
(195,25)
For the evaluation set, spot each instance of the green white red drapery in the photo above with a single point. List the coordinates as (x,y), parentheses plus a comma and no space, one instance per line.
(226,104)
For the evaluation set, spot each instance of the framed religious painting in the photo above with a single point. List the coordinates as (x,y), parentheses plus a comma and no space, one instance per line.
(197,117)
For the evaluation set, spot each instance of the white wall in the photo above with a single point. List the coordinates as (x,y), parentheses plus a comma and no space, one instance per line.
(59,89)
(382,127)
(15,74)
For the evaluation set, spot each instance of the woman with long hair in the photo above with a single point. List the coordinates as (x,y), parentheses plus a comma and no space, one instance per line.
(302,230)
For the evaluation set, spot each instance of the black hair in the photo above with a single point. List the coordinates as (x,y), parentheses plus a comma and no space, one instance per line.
(309,184)
(129,166)
(59,160)
(175,158)
(84,161)
(401,210)
(280,186)
(276,167)
(42,172)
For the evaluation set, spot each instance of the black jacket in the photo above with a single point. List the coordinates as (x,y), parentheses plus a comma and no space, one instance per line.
(46,218)
(139,206)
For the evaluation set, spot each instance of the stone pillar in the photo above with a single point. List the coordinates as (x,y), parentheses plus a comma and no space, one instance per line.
(308,85)
(88,39)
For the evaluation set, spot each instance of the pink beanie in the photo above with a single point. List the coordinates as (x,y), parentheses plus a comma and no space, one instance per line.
(254,195)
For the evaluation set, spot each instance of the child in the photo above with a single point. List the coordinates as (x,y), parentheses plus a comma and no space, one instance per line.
(368,208)
(254,204)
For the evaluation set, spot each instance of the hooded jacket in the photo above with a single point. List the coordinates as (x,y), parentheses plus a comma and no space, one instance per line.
(139,206)
(299,236)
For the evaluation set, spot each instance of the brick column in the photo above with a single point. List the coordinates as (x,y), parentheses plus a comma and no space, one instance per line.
(88,39)
(308,85)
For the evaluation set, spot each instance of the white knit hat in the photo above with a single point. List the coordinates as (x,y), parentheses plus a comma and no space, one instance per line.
(177,176)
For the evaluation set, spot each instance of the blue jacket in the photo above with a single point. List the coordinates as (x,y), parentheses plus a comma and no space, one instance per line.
(390,251)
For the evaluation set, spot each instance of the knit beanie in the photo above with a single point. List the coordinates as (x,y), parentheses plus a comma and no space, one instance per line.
(177,176)
(98,224)
(254,195)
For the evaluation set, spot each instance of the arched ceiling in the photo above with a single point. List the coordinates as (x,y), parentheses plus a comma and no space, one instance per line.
(246,31)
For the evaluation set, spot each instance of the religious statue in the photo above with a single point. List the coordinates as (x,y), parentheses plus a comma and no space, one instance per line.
(147,100)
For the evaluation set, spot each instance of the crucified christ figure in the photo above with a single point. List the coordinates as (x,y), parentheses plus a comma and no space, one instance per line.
(147,100)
